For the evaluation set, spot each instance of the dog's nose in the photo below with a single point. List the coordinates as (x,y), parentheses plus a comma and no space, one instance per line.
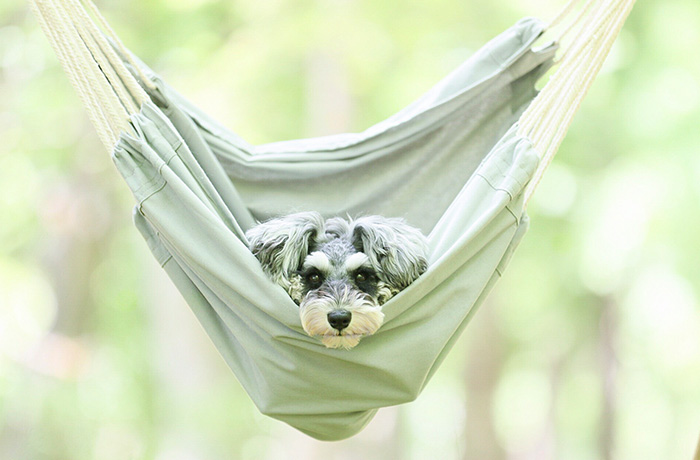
(339,319)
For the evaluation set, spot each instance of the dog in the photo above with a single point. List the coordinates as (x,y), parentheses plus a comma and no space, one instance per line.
(340,272)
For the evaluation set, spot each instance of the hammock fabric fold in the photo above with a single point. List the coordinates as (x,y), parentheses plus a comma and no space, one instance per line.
(459,163)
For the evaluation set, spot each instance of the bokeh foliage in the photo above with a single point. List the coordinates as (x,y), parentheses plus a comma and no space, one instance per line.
(588,348)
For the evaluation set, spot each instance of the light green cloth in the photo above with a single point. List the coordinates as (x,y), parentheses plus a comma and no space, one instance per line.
(450,163)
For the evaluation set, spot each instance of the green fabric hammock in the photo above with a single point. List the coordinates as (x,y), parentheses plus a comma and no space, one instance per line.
(453,163)
(450,163)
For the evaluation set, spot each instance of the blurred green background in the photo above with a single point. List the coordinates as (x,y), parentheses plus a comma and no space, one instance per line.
(589,348)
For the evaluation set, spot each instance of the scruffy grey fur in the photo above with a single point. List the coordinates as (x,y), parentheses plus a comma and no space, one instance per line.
(340,272)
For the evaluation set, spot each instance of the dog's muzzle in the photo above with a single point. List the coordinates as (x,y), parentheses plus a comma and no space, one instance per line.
(339,314)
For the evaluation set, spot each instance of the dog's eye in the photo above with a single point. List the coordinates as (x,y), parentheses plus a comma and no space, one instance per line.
(314,279)
(360,278)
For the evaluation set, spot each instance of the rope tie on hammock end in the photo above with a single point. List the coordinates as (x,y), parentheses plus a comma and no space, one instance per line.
(97,64)
(123,51)
(547,119)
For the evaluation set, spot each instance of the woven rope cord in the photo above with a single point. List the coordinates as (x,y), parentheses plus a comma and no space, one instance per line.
(59,34)
(107,58)
(80,37)
(549,116)
(145,80)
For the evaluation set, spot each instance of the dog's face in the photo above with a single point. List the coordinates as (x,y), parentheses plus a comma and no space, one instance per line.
(339,272)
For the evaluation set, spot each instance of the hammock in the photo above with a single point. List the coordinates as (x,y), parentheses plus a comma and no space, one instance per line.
(460,163)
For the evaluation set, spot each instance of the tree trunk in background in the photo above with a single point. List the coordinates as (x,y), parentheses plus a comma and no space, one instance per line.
(483,368)
(76,221)
(329,106)
(608,372)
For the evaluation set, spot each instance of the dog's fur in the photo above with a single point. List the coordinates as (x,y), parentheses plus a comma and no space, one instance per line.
(339,271)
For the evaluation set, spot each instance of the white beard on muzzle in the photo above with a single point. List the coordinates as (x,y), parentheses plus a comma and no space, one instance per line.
(367,317)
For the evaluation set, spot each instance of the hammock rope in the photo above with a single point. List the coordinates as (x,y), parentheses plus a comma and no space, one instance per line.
(549,116)
(111,93)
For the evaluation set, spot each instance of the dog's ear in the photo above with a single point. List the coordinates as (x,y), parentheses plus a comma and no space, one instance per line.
(282,244)
(399,250)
